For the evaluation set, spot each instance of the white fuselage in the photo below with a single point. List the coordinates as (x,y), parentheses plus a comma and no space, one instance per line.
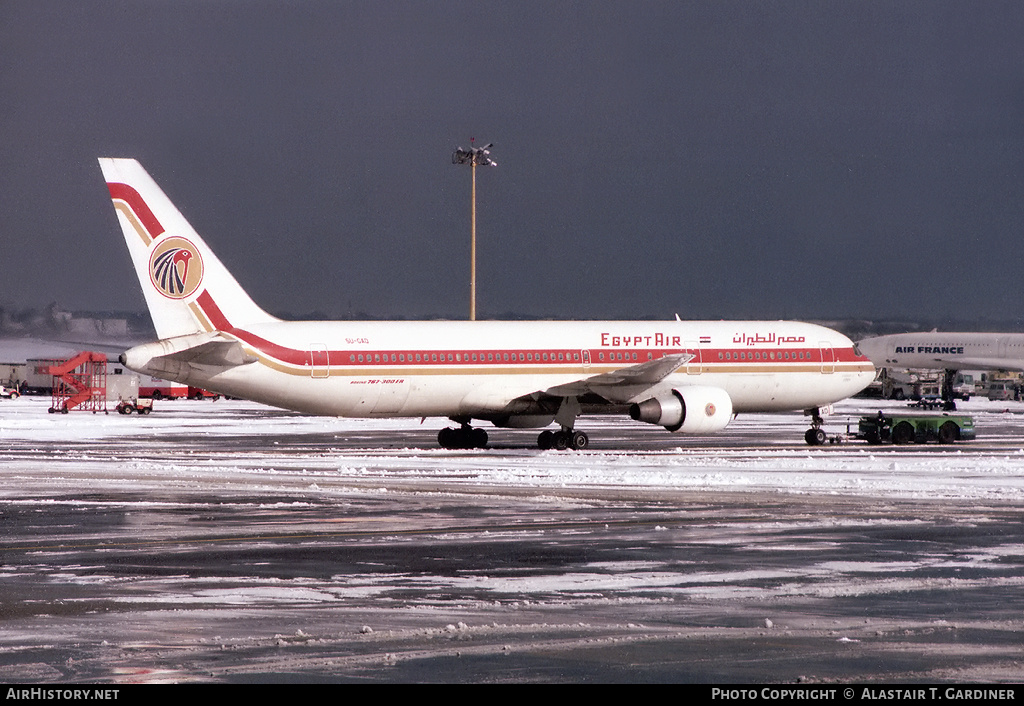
(946,351)
(482,369)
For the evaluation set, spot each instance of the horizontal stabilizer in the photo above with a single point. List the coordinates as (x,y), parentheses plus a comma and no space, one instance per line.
(225,354)
(173,357)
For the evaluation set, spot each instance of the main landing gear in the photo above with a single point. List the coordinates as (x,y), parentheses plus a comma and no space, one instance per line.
(567,437)
(564,439)
(948,396)
(465,437)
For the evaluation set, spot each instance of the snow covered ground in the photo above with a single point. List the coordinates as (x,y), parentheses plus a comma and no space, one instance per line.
(226,541)
(755,453)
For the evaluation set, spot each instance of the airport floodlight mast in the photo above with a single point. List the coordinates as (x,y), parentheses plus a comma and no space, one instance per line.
(474,156)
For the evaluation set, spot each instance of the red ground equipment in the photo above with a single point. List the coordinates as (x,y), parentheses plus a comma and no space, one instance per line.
(80,382)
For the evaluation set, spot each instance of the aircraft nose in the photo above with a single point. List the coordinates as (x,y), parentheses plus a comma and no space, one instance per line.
(872,348)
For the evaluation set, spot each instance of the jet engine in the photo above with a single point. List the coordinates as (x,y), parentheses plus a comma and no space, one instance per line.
(687,410)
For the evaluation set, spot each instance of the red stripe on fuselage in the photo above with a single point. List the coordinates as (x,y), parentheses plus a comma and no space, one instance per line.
(221,323)
(476,358)
(135,201)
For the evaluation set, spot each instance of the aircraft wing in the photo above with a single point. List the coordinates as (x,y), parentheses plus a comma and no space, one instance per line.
(625,383)
(617,387)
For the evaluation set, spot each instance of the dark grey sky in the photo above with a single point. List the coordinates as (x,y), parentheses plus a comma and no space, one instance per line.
(713,159)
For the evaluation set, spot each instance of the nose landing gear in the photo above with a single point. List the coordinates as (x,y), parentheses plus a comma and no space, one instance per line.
(815,436)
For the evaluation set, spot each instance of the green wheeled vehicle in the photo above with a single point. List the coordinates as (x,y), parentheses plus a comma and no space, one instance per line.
(915,428)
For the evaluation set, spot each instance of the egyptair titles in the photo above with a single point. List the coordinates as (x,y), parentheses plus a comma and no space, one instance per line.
(664,340)
(769,339)
(658,340)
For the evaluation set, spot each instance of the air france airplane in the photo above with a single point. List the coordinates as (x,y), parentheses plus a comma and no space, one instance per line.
(948,352)
(689,377)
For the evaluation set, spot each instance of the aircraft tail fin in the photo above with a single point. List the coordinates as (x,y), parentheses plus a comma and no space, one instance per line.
(187,289)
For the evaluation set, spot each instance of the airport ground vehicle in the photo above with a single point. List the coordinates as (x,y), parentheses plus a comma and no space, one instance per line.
(198,393)
(9,392)
(1000,390)
(921,384)
(139,406)
(915,428)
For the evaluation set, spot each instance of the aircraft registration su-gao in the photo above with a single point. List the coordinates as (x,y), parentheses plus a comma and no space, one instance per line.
(689,377)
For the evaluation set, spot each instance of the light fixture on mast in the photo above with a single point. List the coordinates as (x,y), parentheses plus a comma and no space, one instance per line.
(474,156)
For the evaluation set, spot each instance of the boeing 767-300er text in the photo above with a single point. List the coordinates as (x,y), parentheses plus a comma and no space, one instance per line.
(687,376)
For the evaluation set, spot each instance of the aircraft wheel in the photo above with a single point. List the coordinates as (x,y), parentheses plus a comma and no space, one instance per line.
(815,437)
(578,440)
(561,440)
(479,438)
(444,438)
(546,440)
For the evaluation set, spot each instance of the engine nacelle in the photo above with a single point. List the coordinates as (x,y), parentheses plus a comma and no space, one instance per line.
(687,410)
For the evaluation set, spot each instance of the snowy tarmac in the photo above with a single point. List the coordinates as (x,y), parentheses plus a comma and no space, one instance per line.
(230,542)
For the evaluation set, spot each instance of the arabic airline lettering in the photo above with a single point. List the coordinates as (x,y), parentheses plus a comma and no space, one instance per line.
(687,376)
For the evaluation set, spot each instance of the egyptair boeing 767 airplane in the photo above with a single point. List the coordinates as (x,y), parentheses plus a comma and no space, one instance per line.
(689,377)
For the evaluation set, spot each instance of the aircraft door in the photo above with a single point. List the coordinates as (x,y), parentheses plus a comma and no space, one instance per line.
(319,361)
(828,357)
(585,353)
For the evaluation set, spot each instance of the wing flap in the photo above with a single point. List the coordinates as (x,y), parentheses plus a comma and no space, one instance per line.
(625,383)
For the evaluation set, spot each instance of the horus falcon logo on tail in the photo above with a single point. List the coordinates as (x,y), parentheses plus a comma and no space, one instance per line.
(176,268)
